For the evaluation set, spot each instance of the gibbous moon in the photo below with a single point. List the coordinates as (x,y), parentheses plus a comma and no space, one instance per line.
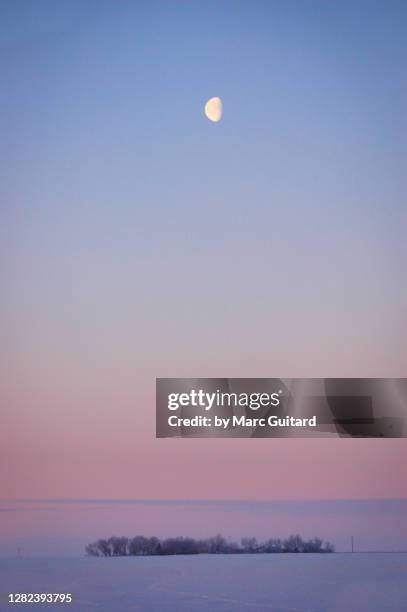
(213,109)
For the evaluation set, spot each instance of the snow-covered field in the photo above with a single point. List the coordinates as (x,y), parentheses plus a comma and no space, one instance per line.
(290,583)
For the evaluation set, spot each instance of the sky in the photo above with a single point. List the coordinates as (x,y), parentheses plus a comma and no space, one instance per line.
(139,240)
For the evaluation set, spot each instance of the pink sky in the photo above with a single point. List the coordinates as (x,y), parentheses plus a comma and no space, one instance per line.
(78,420)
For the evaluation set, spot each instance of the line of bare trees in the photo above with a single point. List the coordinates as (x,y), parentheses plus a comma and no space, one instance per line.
(141,545)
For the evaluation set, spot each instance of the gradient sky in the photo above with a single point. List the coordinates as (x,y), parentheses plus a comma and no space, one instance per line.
(140,240)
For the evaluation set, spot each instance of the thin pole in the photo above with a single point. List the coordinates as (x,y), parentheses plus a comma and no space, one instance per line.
(351,539)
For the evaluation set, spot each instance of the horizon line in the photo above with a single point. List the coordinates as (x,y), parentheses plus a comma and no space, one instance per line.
(194,501)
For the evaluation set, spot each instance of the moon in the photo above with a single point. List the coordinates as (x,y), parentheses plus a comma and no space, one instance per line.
(213,109)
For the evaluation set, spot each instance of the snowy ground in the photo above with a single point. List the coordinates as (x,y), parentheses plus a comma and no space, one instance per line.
(290,583)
